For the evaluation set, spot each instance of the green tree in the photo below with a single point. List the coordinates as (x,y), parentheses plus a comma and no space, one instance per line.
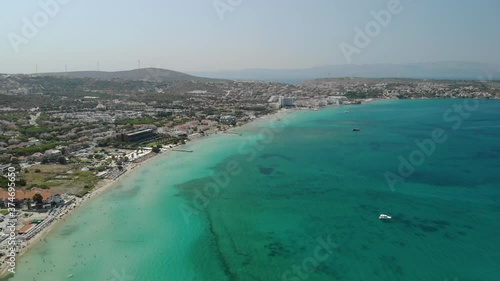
(38,199)
(62,160)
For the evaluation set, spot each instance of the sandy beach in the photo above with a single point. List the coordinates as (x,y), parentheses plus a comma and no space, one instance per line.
(105,184)
(101,187)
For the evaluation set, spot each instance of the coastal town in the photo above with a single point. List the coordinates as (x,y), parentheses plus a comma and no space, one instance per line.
(231,140)
(66,137)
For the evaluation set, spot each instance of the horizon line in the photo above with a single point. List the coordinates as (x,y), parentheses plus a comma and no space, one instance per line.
(249,68)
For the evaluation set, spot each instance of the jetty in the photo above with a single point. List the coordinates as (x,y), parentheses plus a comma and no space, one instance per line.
(234,133)
(182,150)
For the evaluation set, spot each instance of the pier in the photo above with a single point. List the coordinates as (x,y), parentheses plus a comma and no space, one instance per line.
(234,133)
(182,150)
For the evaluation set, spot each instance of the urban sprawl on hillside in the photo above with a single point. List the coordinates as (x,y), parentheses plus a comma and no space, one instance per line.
(63,135)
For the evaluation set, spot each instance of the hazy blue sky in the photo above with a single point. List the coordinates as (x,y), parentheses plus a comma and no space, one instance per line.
(189,35)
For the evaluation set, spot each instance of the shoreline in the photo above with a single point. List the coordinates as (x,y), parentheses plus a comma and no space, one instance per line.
(129,175)
(101,187)
(106,184)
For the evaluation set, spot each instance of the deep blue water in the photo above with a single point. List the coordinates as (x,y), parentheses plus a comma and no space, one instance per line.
(299,199)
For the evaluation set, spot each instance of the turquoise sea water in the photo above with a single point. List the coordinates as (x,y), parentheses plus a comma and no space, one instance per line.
(299,199)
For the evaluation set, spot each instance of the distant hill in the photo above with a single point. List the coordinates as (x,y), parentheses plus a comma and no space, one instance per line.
(143,74)
(441,70)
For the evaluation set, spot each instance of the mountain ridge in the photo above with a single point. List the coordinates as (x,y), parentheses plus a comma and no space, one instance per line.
(141,74)
(436,70)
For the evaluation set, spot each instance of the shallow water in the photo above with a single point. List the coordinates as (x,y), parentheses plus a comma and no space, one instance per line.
(300,200)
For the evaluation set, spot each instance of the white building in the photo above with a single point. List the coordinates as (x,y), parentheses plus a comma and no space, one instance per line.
(100,106)
(336,100)
(228,119)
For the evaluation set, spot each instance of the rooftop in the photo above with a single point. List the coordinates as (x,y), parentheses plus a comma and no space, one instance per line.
(22,194)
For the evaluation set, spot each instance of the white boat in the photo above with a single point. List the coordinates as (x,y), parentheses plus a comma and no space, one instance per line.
(384,217)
